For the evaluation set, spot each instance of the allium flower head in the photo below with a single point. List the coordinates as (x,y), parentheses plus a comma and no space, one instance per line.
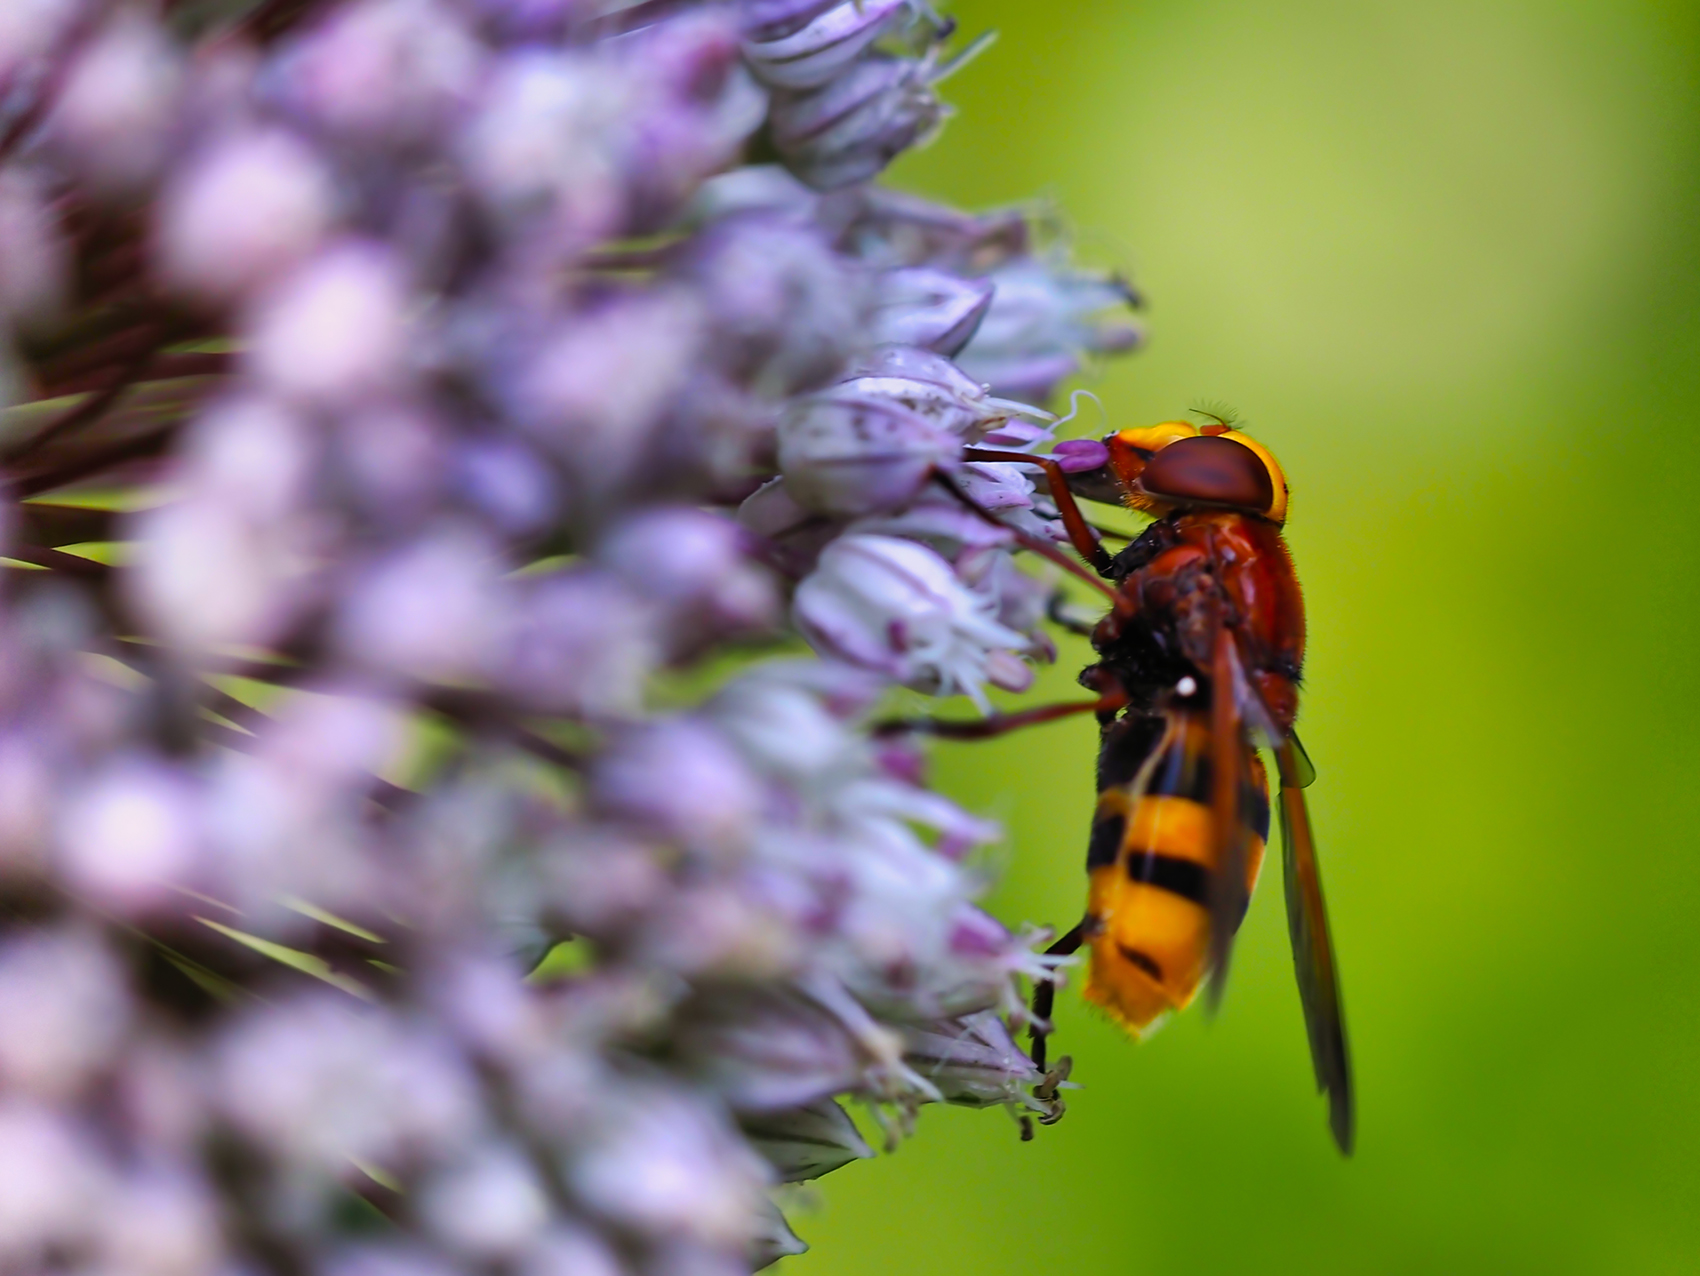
(436,451)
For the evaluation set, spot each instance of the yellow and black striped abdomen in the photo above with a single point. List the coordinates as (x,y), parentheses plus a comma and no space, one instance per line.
(1150,862)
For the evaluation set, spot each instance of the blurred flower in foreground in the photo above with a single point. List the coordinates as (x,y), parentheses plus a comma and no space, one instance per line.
(408,399)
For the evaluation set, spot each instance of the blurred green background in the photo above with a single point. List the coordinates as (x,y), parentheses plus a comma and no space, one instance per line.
(1443,258)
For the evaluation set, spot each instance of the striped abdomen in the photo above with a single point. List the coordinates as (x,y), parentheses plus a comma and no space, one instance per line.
(1151,860)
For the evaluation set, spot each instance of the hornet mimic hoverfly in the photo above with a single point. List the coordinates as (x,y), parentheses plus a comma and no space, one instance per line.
(1198,667)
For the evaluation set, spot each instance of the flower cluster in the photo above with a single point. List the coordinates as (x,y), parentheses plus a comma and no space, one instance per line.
(413,403)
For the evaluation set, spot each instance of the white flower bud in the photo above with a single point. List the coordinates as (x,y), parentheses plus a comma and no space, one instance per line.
(595,390)
(241,212)
(570,1251)
(665,1166)
(33,256)
(1044,319)
(132,838)
(52,1185)
(334,329)
(973,1060)
(537,149)
(114,113)
(63,1000)
(820,50)
(29,29)
(766,1051)
(581,642)
(225,563)
(487,1205)
(896,606)
(806,1142)
(432,610)
(383,70)
(162,1223)
(681,778)
(843,454)
(931,309)
(320,1079)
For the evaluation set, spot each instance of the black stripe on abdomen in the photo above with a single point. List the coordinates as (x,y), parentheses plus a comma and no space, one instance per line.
(1173,778)
(1186,878)
(1106,841)
(1144,961)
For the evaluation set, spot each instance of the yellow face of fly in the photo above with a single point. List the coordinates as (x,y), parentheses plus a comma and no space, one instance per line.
(1131,451)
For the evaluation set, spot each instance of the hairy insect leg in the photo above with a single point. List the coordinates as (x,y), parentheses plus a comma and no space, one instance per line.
(1079,530)
(999,723)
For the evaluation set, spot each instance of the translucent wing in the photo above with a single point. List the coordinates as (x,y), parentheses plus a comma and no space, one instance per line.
(1229,753)
(1313,953)
(1305,775)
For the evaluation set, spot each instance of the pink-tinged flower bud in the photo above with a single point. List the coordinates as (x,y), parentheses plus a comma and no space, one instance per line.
(383,71)
(29,787)
(896,606)
(814,53)
(239,213)
(930,309)
(680,778)
(53,1185)
(595,389)
(538,151)
(333,330)
(784,309)
(665,1165)
(487,1205)
(764,1051)
(581,643)
(806,1142)
(225,563)
(130,841)
(319,1078)
(29,29)
(433,610)
(387,1258)
(1045,318)
(690,564)
(113,116)
(600,882)
(973,1060)
(933,386)
(845,454)
(788,718)
(851,128)
(770,19)
(162,1222)
(693,105)
(33,254)
(509,484)
(63,999)
(567,1250)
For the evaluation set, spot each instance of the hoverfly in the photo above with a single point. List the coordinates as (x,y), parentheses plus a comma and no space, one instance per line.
(1198,667)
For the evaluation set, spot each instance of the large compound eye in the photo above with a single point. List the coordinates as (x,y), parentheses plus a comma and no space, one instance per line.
(1211,471)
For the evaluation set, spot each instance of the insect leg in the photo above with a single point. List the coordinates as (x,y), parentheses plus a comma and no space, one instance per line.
(1031,543)
(999,723)
(1045,993)
(1079,530)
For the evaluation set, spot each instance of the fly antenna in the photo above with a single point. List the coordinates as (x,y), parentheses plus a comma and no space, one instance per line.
(1218,412)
